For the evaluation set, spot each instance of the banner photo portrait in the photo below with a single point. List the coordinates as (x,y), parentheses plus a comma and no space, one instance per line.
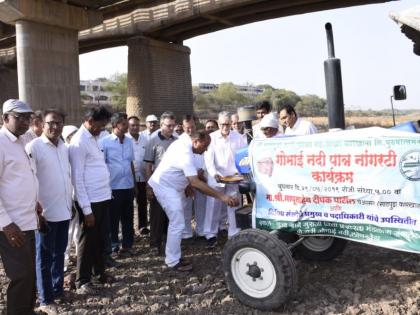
(362,185)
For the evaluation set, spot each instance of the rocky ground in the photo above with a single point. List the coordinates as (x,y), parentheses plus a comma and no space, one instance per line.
(363,280)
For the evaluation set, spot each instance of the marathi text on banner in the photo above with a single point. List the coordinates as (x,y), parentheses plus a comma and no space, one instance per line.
(365,181)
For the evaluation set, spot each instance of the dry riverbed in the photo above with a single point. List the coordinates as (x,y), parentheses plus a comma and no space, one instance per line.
(363,280)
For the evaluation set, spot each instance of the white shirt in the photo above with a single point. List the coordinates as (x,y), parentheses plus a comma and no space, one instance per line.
(139,147)
(53,172)
(301,128)
(90,175)
(177,164)
(198,158)
(18,184)
(220,155)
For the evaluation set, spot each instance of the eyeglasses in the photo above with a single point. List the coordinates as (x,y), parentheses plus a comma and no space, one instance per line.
(224,125)
(54,123)
(21,117)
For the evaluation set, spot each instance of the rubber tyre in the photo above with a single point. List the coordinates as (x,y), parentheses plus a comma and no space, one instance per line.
(312,248)
(280,275)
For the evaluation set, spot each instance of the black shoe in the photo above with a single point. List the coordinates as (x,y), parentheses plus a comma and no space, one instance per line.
(144,231)
(200,239)
(106,278)
(182,266)
(223,234)
(125,252)
(212,242)
(187,241)
(111,263)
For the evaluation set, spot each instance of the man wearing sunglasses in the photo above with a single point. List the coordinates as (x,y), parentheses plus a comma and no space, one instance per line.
(18,209)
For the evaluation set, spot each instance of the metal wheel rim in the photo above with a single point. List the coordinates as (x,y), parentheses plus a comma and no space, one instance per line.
(260,288)
(318,243)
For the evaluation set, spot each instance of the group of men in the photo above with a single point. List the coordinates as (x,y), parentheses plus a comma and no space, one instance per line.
(62,183)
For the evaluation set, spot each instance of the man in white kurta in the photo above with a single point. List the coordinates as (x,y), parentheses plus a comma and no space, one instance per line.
(220,161)
(175,172)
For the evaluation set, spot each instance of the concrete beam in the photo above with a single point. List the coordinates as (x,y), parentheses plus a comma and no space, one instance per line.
(48,12)
(159,78)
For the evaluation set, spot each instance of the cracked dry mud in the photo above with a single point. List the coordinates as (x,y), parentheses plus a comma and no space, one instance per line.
(363,280)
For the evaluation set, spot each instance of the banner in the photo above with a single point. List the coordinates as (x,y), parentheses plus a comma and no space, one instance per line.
(361,185)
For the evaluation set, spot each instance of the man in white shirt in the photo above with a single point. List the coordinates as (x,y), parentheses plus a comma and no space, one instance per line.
(51,158)
(294,124)
(18,203)
(169,181)
(91,182)
(220,161)
(197,201)
(139,147)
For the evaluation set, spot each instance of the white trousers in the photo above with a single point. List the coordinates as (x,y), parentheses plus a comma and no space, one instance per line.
(214,213)
(74,234)
(198,206)
(173,203)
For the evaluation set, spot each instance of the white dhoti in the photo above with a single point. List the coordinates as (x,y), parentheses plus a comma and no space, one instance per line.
(214,213)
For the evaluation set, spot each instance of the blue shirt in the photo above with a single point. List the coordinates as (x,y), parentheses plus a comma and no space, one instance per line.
(118,157)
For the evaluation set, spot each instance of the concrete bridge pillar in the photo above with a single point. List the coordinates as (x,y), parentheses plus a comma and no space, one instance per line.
(8,83)
(158,78)
(48,53)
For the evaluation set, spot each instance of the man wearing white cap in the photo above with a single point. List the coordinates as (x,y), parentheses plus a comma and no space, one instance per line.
(18,209)
(269,126)
(152,124)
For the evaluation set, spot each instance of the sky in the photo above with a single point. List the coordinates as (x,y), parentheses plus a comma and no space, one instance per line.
(289,53)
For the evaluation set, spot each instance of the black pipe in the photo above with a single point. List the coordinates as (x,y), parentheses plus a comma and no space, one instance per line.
(330,40)
(333,84)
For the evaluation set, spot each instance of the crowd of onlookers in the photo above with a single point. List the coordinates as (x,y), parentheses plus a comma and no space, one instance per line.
(63,186)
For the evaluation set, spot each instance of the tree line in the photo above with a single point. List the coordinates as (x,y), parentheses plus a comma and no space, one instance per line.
(227,97)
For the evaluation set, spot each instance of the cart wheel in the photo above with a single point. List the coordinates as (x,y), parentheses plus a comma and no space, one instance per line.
(320,248)
(259,269)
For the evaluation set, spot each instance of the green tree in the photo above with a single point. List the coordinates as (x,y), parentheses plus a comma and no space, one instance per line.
(200,100)
(227,97)
(311,105)
(117,85)
(283,97)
